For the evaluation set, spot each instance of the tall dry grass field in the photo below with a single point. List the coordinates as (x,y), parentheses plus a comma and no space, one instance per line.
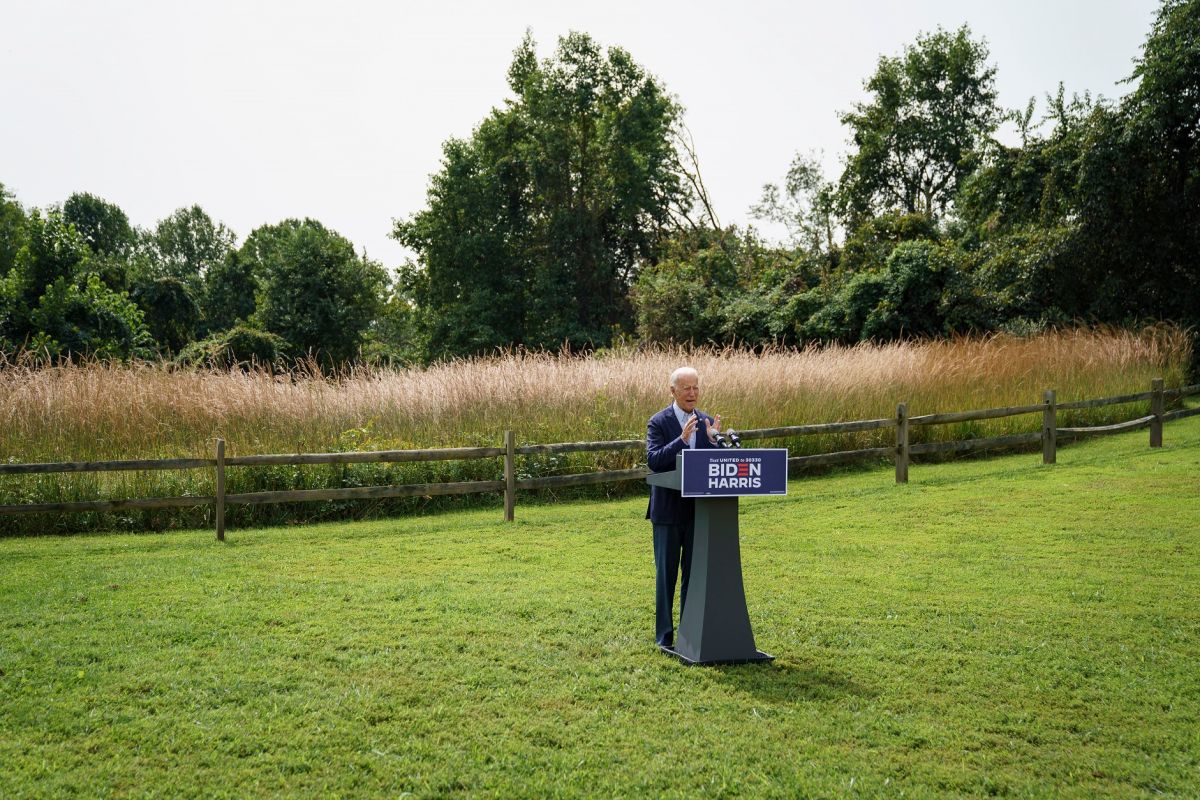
(96,412)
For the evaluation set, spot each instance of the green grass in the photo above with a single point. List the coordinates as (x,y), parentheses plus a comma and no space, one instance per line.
(995,627)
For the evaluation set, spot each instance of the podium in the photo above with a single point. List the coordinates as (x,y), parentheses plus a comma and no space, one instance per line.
(714,626)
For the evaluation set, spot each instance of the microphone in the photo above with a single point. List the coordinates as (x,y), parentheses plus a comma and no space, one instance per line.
(734,439)
(720,439)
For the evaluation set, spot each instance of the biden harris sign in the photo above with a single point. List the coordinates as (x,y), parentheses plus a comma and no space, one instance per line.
(734,472)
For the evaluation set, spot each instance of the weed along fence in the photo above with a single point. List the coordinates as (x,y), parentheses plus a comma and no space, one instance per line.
(901,453)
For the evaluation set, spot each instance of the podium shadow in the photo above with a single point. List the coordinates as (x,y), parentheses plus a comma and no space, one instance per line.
(783,681)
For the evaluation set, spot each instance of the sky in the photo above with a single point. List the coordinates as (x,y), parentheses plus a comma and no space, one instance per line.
(263,110)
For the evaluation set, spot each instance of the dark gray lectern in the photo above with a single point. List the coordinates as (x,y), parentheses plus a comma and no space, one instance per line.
(714,627)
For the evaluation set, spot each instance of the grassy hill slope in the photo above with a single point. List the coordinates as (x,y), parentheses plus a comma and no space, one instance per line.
(995,627)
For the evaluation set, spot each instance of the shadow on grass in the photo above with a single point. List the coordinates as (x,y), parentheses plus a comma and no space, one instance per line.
(783,682)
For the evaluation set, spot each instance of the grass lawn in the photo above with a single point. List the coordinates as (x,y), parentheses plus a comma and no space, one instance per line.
(995,627)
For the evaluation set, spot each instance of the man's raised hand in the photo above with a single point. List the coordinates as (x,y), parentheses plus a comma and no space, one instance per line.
(689,427)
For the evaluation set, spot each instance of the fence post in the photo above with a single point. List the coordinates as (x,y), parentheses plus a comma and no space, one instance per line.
(1049,428)
(510,476)
(1156,408)
(902,443)
(220,498)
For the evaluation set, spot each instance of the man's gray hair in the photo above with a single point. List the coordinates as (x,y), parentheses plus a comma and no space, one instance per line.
(679,373)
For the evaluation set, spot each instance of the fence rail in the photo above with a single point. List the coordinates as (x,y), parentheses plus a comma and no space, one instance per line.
(1109,401)
(971,416)
(510,485)
(1128,425)
(1181,413)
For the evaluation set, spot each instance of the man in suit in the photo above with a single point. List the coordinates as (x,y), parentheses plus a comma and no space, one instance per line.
(677,427)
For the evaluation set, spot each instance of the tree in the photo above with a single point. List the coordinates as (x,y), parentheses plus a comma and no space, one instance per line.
(13,236)
(917,138)
(805,205)
(1139,182)
(872,242)
(105,229)
(1030,274)
(170,311)
(10,326)
(537,224)
(103,225)
(474,242)
(53,249)
(227,297)
(55,300)
(188,243)
(391,339)
(12,230)
(313,291)
(1034,184)
(602,163)
(1165,106)
(89,319)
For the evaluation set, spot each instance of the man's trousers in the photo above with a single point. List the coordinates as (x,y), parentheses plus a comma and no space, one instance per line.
(672,543)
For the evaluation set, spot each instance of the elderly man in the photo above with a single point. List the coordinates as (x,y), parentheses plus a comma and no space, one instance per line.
(677,427)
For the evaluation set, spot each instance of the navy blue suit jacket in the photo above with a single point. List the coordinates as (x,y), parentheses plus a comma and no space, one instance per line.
(667,506)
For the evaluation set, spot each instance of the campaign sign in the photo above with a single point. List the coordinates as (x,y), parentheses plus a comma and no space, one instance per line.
(734,472)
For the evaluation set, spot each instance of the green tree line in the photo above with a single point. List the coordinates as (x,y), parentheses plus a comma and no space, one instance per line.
(80,280)
(575,215)
(935,227)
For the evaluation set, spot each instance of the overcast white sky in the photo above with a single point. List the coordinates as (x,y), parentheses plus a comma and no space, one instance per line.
(260,111)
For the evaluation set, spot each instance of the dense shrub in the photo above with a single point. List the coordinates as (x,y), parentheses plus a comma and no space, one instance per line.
(89,320)
(239,346)
(915,279)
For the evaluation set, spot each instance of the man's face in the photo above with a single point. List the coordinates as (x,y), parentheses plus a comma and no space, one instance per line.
(686,392)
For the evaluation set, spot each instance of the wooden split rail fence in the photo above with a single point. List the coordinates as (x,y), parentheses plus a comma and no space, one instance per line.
(510,485)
